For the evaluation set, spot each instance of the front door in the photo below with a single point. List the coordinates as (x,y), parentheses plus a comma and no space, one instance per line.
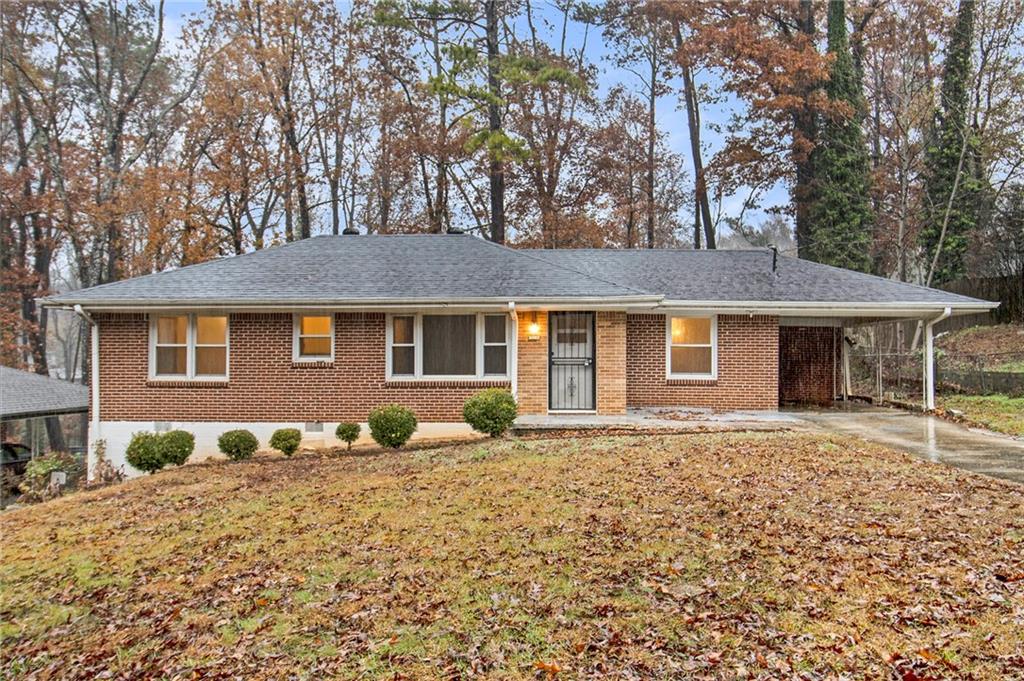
(571,371)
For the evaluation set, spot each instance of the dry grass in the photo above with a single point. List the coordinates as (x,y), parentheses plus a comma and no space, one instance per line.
(996,412)
(704,556)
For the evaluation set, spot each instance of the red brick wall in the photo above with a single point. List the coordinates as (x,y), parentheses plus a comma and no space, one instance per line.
(533,364)
(265,385)
(809,364)
(747,365)
(611,362)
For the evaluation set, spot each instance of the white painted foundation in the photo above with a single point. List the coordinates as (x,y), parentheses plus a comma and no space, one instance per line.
(118,434)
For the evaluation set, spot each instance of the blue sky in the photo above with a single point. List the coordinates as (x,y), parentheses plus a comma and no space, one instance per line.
(670,117)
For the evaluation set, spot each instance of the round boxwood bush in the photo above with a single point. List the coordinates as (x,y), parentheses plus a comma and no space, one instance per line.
(392,425)
(144,452)
(286,440)
(176,446)
(348,432)
(490,411)
(238,444)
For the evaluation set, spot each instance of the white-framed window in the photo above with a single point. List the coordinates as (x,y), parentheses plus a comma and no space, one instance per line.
(448,346)
(313,338)
(188,346)
(691,346)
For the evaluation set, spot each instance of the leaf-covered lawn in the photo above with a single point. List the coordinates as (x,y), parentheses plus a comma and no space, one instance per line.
(996,412)
(718,556)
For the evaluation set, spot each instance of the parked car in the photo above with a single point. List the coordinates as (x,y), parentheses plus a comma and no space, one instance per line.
(14,458)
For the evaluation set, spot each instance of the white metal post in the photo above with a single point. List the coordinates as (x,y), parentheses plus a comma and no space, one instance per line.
(846,364)
(929,368)
(929,359)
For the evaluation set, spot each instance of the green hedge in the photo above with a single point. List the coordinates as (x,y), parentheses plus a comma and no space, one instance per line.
(286,440)
(176,446)
(490,411)
(392,425)
(144,452)
(238,444)
(348,432)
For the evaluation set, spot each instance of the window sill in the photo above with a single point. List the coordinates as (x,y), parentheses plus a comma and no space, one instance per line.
(447,383)
(187,382)
(312,363)
(707,380)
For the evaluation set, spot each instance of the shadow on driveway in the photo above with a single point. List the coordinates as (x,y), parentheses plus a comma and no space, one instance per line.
(929,437)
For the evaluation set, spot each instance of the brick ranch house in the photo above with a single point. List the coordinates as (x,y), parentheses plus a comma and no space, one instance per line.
(320,331)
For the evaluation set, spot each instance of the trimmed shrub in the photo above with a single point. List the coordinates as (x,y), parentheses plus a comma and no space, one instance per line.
(238,444)
(145,453)
(35,484)
(391,426)
(490,411)
(286,440)
(348,432)
(175,446)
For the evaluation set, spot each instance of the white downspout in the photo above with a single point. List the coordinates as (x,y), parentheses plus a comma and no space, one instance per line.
(94,384)
(929,359)
(847,389)
(514,362)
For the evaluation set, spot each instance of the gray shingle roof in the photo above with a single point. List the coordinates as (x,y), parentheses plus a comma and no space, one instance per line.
(24,394)
(337,269)
(742,275)
(437,268)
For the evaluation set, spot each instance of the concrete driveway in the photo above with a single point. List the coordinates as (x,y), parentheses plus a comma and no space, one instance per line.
(929,437)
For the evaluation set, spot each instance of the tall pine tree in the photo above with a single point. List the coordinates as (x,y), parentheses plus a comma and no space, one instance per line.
(840,212)
(952,187)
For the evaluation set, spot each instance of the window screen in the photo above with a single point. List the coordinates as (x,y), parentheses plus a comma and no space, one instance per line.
(449,345)
(495,345)
(172,345)
(403,352)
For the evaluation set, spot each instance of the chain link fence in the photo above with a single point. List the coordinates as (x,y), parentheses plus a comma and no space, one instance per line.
(887,364)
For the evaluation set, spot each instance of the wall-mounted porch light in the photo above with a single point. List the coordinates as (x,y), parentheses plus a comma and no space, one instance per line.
(533,328)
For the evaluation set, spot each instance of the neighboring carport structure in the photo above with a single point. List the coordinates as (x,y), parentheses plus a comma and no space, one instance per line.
(32,407)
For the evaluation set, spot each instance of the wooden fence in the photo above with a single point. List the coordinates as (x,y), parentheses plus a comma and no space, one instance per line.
(1008,290)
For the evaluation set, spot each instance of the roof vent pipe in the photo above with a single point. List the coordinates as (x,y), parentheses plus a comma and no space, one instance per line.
(350,231)
(455,230)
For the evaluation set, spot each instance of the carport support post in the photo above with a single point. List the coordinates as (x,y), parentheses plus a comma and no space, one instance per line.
(929,360)
(846,364)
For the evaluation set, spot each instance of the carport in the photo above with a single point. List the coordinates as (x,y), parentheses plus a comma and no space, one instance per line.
(42,412)
(815,351)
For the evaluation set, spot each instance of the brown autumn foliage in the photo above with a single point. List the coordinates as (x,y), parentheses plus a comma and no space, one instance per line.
(129,147)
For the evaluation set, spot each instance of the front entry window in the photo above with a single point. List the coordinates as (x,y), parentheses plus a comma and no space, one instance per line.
(691,347)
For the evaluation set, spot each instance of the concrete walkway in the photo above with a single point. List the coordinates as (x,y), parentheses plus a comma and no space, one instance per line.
(926,436)
(929,437)
(644,420)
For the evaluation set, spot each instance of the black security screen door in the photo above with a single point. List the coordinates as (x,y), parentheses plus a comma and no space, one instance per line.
(571,373)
